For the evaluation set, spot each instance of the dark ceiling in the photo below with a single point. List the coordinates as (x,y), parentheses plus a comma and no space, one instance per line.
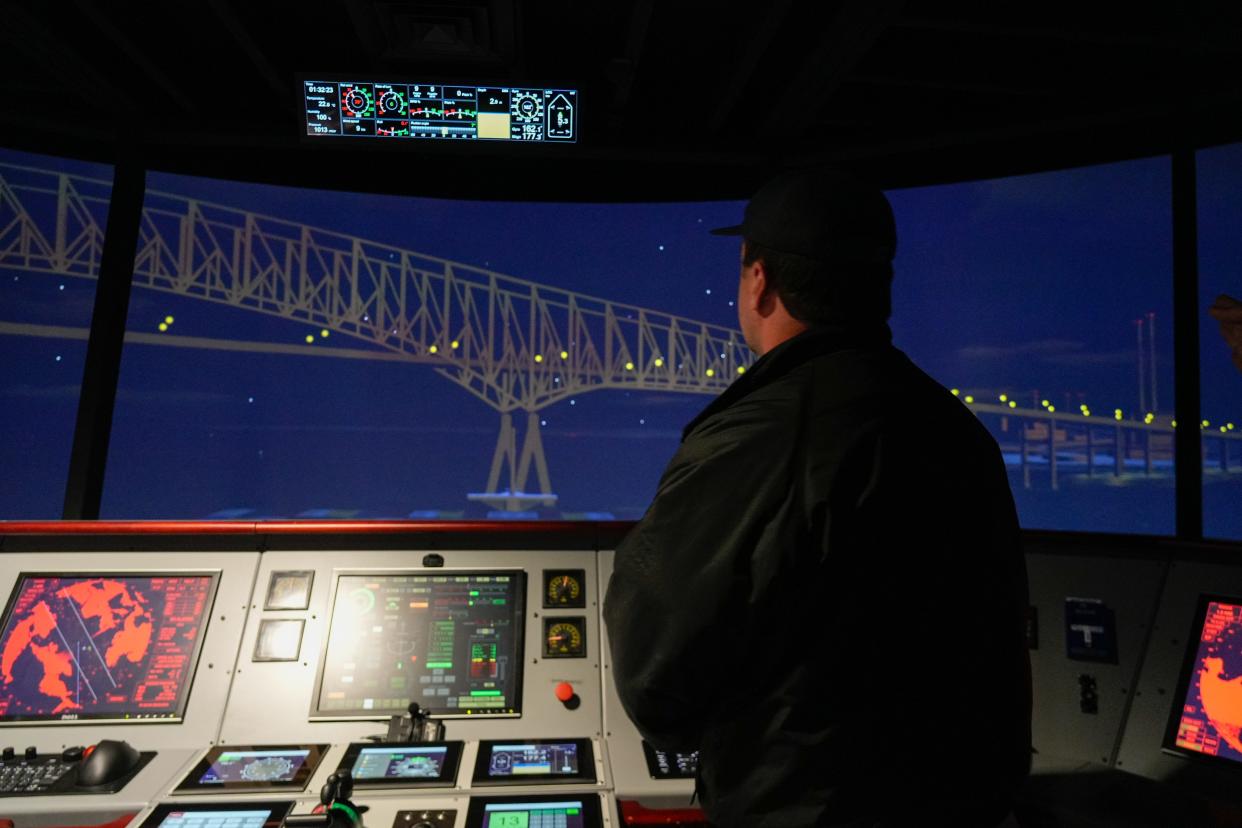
(678,100)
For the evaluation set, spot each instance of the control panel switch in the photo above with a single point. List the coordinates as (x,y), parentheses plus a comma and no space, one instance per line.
(565,695)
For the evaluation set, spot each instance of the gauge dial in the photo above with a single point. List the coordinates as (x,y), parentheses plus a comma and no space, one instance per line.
(564,588)
(564,637)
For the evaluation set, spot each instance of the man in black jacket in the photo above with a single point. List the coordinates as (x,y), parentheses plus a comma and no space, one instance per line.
(826,597)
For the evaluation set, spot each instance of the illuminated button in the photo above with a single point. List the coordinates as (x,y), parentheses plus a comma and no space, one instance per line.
(565,693)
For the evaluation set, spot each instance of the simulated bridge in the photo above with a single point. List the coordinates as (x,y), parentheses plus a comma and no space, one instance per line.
(517,345)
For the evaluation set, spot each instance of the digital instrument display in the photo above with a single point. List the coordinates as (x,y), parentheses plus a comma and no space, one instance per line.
(662,764)
(208,815)
(246,767)
(1207,709)
(106,646)
(545,811)
(413,764)
(534,760)
(450,641)
(398,111)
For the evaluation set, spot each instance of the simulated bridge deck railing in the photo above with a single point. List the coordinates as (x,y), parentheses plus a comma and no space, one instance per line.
(1039,442)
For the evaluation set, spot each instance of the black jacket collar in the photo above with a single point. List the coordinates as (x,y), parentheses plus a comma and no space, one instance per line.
(789,355)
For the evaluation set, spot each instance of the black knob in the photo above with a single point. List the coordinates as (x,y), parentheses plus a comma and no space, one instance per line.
(72,754)
(32,752)
(7,753)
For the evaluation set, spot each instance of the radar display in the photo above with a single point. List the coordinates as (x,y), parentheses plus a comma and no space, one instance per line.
(1209,721)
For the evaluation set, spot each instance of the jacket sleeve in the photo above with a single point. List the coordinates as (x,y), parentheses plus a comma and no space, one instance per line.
(682,589)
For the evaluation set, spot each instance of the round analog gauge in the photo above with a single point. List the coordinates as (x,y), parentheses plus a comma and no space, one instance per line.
(563,588)
(564,638)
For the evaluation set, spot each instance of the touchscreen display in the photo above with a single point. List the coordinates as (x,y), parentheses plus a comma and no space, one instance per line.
(663,764)
(254,766)
(241,818)
(562,814)
(400,763)
(539,759)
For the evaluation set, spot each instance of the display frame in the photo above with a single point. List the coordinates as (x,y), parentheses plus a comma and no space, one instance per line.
(277,811)
(300,600)
(651,755)
(262,656)
(582,745)
(592,812)
(178,716)
(192,782)
(521,578)
(1185,676)
(448,771)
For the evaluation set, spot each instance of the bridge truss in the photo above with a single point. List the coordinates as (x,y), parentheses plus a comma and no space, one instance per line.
(517,345)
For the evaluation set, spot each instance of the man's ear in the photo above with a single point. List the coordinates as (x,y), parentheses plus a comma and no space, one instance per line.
(761,290)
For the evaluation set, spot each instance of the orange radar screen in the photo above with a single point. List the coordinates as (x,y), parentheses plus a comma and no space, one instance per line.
(1209,721)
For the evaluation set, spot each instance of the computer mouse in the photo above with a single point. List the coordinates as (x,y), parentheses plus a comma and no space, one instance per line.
(107,762)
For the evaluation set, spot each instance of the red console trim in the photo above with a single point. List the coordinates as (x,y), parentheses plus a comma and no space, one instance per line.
(632,813)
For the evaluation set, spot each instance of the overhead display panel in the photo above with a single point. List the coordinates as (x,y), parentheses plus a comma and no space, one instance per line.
(400,111)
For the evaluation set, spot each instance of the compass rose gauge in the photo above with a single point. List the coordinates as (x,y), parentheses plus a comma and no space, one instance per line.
(527,106)
(391,104)
(357,102)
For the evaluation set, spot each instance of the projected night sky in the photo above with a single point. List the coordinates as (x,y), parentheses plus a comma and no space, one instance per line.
(1027,286)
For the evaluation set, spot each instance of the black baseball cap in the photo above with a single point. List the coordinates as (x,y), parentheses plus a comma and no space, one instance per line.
(826,215)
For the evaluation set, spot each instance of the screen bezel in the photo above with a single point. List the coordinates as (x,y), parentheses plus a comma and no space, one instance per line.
(519,576)
(183,701)
(277,811)
(592,814)
(482,761)
(1184,678)
(192,782)
(653,763)
(448,771)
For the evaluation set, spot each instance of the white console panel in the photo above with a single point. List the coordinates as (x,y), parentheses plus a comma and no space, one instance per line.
(270,702)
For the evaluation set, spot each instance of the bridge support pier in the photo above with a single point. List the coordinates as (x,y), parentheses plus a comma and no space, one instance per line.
(514,497)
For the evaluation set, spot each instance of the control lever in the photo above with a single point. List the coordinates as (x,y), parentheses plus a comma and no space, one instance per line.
(414,727)
(337,810)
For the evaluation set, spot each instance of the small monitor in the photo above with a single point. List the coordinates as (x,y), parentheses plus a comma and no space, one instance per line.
(248,814)
(534,761)
(1206,720)
(663,764)
(239,768)
(562,811)
(450,641)
(402,765)
(115,646)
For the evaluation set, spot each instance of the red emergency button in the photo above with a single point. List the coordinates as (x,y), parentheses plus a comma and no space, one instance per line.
(565,695)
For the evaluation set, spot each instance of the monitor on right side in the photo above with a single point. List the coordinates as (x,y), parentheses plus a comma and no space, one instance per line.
(1206,720)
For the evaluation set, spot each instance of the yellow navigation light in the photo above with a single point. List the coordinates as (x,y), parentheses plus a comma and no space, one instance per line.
(433,349)
(163,326)
(1004,398)
(1082,407)
(741,369)
(1116,410)
(324,333)
(1206,424)
(1229,426)
(1013,404)
(309,339)
(168,320)
(629,366)
(538,357)
(454,344)
(659,362)
(954,392)
(1044,403)
(1052,409)
(564,354)
(1173,423)
(969,399)
(1117,416)
(1223,429)
(711,372)
(1086,412)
